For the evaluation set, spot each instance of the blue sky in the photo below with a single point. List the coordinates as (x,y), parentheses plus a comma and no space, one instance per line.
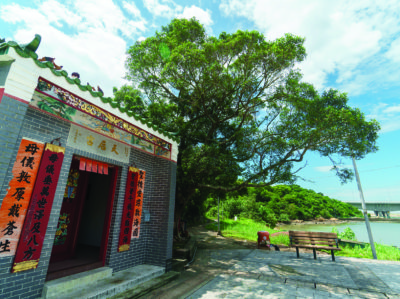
(353,46)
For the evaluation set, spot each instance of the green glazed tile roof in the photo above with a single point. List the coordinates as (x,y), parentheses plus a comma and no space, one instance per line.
(29,51)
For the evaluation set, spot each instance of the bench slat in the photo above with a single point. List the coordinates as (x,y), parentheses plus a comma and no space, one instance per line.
(329,241)
(312,234)
(317,247)
(314,242)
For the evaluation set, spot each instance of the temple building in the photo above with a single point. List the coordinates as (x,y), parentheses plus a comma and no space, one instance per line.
(87,188)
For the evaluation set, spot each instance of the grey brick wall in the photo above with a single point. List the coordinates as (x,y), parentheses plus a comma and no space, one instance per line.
(155,243)
(161,205)
(159,198)
(12,114)
(29,284)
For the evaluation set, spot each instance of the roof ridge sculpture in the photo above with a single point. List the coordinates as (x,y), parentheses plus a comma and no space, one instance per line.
(29,51)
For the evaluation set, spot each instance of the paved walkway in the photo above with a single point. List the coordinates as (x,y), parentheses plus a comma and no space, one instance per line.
(271,274)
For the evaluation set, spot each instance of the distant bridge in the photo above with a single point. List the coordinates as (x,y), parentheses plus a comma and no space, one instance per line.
(380,208)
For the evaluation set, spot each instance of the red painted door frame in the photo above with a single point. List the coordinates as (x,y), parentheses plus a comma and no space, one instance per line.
(107,220)
(68,249)
(83,183)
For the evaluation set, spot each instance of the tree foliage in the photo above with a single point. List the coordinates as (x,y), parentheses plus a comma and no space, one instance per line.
(207,90)
(294,202)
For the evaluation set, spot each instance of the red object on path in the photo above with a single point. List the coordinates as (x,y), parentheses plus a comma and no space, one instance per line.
(263,238)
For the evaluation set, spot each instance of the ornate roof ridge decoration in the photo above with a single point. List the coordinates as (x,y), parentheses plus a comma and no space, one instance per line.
(29,51)
(60,94)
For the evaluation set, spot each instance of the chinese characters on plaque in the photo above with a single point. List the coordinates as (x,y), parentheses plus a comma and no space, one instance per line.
(35,226)
(15,203)
(98,144)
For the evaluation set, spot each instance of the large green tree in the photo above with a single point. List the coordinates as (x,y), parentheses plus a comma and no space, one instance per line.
(207,90)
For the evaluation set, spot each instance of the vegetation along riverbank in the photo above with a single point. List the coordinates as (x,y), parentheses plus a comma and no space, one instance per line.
(246,229)
(281,204)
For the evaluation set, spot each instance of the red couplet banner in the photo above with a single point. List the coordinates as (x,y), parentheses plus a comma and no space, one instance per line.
(128,211)
(35,226)
(16,201)
(138,204)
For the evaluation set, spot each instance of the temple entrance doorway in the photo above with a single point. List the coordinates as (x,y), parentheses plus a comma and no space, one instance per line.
(82,232)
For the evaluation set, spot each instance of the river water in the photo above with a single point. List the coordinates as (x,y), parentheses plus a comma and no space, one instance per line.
(387,233)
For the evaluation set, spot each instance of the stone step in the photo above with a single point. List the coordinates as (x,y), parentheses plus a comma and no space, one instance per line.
(148,286)
(187,251)
(112,285)
(178,265)
(53,288)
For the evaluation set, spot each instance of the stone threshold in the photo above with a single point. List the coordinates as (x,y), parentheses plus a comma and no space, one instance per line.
(100,282)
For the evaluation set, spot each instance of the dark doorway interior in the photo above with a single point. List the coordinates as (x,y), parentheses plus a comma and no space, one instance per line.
(85,218)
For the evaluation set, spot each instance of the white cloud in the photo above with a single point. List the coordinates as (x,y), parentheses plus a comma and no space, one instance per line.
(343,38)
(162,8)
(204,16)
(394,51)
(392,109)
(323,168)
(387,115)
(131,7)
(139,23)
(96,49)
(329,168)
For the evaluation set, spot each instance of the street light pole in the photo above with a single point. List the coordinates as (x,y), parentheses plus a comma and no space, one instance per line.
(364,208)
(219,231)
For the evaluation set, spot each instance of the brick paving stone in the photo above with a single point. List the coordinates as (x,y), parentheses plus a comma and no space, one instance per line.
(366,294)
(263,274)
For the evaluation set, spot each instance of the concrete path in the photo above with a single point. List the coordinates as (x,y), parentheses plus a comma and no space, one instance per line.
(270,274)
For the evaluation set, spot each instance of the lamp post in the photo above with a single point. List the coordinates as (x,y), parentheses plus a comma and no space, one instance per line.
(364,208)
(219,231)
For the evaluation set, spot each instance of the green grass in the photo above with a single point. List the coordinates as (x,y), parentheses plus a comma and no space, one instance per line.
(246,229)
(383,252)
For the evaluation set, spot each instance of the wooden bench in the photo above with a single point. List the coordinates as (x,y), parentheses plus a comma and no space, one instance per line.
(314,240)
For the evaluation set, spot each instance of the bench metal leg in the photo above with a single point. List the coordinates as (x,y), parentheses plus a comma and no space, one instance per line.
(333,256)
(297,251)
(315,253)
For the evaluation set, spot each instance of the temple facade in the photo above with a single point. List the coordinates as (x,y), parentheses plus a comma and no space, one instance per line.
(84,183)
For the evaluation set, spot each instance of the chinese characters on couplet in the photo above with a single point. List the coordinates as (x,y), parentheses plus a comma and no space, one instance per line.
(127,214)
(138,204)
(34,229)
(132,212)
(15,203)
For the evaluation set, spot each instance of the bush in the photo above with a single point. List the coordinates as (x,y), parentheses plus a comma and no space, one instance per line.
(232,207)
(325,214)
(267,216)
(271,220)
(250,208)
(347,234)
(284,218)
(212,212)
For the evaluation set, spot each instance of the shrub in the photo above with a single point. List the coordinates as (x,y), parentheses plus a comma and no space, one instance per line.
(250,208)
(284,218)
(271,220)
(212,212)
(232,207)
(348,234)
(267,216)
(325,214)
